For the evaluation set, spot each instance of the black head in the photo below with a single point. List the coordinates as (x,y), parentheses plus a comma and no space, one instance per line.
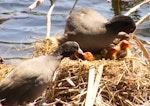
(67,49)
(121,23)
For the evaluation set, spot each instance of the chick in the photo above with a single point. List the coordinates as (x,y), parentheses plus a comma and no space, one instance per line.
(84,56)
(112,53)
(88,56)
(124,47)
(109,52)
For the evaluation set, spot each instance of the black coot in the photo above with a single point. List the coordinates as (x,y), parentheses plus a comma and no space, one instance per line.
(29,79)
(92,31)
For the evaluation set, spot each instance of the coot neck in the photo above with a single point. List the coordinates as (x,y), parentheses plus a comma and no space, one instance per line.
(113,28)
(58,53)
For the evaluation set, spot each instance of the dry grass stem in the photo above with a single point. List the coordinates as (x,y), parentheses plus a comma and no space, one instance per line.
(89,99)
(97,81)
(140,44)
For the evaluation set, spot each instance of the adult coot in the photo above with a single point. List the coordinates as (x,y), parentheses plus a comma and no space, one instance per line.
(92,31)
(29,79)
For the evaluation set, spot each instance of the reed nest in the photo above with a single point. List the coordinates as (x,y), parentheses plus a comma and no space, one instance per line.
(124,82)
(4,70)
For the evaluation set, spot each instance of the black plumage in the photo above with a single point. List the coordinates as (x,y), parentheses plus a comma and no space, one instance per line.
(30,78)
(92,31)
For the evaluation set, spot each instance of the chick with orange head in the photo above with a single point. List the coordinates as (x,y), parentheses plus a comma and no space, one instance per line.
(124,46)
(112,52)
(85,56)
(88,56)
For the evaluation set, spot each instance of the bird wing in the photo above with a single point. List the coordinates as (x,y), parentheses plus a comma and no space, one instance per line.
(85,21)
(26,75)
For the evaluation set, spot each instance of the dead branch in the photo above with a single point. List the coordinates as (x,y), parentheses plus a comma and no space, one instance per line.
(35,4)
(71,10)
(143,19)
(48,17)
(136,7)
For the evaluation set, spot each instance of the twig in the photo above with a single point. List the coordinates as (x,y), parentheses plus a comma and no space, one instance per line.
(48,16)
(35,4)
(121,75)
(136,7)
(79,95)
(60,101)
(88,101)
(145,42)
(70,81)
(143,19)
(73,6)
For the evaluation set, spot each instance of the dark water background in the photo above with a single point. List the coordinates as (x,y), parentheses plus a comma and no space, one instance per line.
(19,27)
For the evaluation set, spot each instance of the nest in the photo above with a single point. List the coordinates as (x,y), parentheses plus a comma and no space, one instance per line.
(123,82)
(4,70)
(44,47)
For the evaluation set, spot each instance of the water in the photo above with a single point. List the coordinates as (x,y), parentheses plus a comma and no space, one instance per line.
(19,27)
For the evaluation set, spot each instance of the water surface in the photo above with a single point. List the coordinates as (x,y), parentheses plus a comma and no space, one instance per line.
(19,27)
